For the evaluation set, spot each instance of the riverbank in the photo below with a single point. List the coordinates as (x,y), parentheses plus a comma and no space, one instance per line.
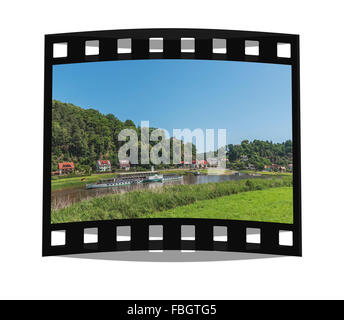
(145,203)
(78,181)
(267,173)
(81,181)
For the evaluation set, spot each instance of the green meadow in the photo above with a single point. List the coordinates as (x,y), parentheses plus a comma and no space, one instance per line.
(59,183)
(251,199)
(270,205)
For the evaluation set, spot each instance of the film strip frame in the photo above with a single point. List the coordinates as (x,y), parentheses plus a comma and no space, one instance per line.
(236,230)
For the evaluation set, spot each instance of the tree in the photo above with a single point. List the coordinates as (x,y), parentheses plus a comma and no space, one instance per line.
(259,153)
(85,135)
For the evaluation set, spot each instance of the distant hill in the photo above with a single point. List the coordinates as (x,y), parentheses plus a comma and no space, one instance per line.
(260,153)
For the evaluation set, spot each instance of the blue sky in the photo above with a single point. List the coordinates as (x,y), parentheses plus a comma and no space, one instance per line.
(250,100)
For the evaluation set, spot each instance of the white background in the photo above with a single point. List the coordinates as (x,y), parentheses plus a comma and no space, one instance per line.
(25,274)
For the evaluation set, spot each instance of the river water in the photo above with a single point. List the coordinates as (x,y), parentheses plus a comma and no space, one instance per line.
(66,197)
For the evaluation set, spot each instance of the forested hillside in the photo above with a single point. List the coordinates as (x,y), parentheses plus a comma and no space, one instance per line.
(85,135)
(260,153)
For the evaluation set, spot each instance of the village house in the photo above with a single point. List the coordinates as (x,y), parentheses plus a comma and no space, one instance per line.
(267,168)
(202,163)
(103,166)
(65,167)
(124,164)
(193,165)
(212,162)
(184,164)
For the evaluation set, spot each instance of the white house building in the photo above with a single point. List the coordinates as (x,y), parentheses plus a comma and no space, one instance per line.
(124,164)
(103,166)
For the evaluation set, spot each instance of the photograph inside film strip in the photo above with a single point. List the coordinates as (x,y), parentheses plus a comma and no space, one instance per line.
(172,139)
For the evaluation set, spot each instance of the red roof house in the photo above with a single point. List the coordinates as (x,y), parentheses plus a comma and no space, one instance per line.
(103,165)
(65,167)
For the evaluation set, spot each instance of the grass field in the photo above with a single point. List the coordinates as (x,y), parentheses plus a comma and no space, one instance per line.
(267,173)
(270,205)
(76,182)
(147,203)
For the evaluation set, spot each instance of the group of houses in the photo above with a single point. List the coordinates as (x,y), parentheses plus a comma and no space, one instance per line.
(196,164)
(277,167)
(101,166)
(105,166)
(193,164)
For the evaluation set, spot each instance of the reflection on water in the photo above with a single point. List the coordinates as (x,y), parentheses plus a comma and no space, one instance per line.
(66,197)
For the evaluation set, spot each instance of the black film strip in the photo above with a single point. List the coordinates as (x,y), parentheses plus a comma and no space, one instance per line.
(200,44)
